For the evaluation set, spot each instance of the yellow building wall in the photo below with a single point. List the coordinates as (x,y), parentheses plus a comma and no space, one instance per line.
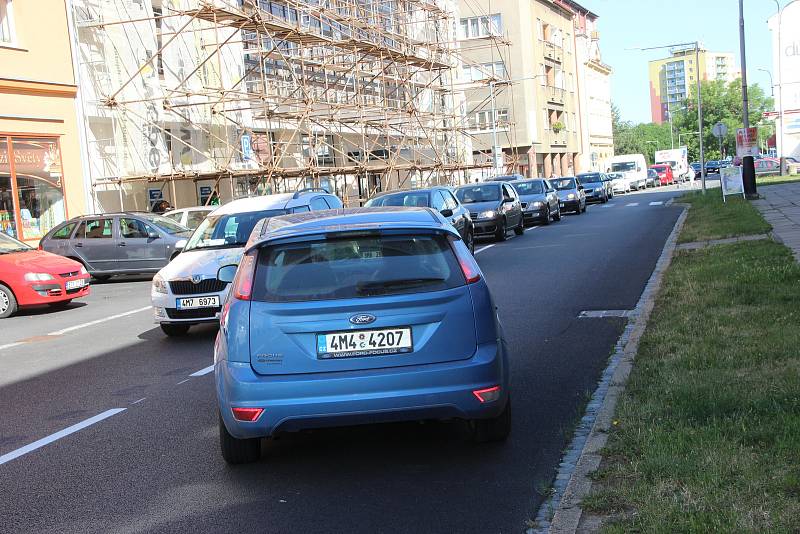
(37,88)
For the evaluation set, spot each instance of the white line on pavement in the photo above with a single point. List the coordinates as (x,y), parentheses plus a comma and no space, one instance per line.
(138,401)
(204,371)
(182,382)
(9,345)
(608,205)
(656,203)
(487,247)
(58,435)
(98,321)
(632,204)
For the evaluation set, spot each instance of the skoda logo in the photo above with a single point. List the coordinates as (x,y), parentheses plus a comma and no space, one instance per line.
(196,278)
(362,318)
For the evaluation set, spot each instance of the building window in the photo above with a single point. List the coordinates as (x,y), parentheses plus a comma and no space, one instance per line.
(483,120)
(485,26)
(477,73)
(31,167)
(6,22)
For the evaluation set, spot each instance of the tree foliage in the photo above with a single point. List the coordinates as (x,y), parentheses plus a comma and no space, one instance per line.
(643,138)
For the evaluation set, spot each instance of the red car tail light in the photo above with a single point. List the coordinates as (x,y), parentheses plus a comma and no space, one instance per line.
(472,273)
(243,283)
(248,415)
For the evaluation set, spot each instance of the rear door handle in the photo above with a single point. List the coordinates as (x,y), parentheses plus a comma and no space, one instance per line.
(78,245)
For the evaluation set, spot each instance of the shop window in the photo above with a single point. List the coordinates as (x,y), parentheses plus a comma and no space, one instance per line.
(39,183)
(8,220)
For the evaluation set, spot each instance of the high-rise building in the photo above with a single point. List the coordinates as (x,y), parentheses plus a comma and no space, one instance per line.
(524,92)
(672,78)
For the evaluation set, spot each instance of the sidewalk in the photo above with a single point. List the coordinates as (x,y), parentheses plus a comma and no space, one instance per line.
(780,206)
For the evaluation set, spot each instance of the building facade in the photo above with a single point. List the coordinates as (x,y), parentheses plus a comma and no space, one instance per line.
(531,93)
(41,175)
(786,69)
(187,98)
(672,78)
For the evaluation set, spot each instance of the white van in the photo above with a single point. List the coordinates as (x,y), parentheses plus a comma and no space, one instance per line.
(678,159)
(633,167)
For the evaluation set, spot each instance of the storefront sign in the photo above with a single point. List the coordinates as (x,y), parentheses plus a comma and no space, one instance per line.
(747,142)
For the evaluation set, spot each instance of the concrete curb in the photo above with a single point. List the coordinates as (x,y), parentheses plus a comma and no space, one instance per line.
(697,245)
(583,456)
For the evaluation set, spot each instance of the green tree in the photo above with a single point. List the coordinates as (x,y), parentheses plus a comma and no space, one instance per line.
(643,138)
(722,102)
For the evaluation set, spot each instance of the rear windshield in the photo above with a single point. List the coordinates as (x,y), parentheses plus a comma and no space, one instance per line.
(415,199)
(530,188)
(356,267)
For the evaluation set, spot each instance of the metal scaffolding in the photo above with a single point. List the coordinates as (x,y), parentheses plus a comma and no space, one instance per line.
(263,96)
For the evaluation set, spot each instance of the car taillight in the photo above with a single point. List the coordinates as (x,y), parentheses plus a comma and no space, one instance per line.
(472,273)
(243,283)
(248,415)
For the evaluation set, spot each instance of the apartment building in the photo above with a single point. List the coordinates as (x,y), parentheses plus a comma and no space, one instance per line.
(41,178)
(525,93)
(187,98)
(672,78)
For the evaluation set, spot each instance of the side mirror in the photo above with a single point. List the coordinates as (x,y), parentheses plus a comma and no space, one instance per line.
(153,235)
(447,213)
(180,245)
(227,274)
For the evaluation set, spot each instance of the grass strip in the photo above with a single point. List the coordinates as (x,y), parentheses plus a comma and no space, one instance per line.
(707,435)
(710,218)
(777,180)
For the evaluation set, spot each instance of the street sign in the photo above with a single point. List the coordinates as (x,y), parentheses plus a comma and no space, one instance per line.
(720,130)
(747,142)
(731,181)
(247,147)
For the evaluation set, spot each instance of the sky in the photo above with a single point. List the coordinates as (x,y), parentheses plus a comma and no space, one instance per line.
(625,24)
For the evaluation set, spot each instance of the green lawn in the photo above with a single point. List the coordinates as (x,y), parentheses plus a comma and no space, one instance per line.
(774,180)
(707,434)
(709,218)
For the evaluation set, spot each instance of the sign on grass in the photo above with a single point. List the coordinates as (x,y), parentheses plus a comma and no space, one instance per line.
(731,180)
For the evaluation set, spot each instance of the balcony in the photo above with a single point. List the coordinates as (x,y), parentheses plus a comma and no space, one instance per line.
(557,139)
(555,95)
(553,52)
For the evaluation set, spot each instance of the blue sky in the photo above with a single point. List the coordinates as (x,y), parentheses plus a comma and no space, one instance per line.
(642,23)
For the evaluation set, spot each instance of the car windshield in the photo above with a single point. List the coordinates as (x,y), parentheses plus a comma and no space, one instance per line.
(563,184)
(408,199)
(623,166)
(530,188)
(478,193)
(356,267)
(227,230)
(8,245)
(168,225)
(590,178)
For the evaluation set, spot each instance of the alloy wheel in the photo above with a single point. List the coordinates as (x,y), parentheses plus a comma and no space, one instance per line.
(4,302)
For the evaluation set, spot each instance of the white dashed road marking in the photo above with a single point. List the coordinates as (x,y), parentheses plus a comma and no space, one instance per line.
(656,203)
(98,321)
(58,435)
(203,371)
(487,247)
(632,204)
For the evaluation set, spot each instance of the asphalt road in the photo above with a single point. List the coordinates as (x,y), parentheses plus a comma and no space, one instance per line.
(154,465)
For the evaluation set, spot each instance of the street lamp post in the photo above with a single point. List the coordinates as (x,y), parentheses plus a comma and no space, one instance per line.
(748,163)
(671,130)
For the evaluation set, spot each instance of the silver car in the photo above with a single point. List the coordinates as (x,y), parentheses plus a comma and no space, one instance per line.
(118,243)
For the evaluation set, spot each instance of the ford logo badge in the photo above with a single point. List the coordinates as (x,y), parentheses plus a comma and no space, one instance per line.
(363,318)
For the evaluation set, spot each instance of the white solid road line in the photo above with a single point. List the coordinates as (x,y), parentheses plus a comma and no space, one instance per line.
(656,203)
(58,435)
(487,247)
(204,371)
(98,321)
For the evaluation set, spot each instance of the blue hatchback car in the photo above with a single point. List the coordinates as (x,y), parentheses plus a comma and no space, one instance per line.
(357,316)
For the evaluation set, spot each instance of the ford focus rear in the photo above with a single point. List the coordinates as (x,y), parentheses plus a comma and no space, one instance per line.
(356,317)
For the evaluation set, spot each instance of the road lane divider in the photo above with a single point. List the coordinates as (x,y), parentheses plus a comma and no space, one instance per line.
(657,203)
(203,371)
(487,247)
(58,435)
(10,345)
(98,321)
(632,204)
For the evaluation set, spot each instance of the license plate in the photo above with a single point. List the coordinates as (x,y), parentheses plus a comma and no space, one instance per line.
(192,303)
(355,343)
(75,284)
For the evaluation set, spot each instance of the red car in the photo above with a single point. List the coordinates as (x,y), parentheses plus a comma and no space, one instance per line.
(664,171)
(30,277)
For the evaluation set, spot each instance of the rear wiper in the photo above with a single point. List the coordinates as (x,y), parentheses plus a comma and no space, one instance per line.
(388,285)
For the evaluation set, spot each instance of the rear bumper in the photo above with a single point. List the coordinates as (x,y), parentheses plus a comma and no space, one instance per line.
(306,401)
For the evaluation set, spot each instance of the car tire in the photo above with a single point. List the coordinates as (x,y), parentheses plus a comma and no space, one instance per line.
(60,305)
(8,302)
(547,216)
(502,231)
(520,228)
(238,451)
(470,243)
(175,330)
(494,429)
(557,216)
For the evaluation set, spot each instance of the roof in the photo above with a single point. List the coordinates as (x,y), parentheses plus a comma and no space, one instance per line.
(402,191)
(347,220)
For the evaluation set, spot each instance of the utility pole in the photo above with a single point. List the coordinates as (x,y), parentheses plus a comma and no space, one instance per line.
(748,163)
(700,114)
